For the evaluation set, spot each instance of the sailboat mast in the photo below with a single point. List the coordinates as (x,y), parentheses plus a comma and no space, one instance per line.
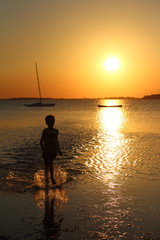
(38,82)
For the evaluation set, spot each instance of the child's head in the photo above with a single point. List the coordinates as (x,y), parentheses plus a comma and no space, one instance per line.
(50,120)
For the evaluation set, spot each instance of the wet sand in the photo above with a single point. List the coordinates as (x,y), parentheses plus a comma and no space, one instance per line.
(84,208)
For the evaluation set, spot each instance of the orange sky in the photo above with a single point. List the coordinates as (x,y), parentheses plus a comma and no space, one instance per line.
(70,40)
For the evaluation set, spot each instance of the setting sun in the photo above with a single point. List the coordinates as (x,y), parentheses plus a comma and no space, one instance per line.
(112,64)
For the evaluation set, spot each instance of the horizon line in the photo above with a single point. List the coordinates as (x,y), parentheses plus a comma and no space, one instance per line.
(153,96)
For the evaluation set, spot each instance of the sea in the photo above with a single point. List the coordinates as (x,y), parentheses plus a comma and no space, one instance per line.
(111,161)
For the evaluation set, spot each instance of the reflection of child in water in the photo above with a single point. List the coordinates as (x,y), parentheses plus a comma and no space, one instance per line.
(50,146)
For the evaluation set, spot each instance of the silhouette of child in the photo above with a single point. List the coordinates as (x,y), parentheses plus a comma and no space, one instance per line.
(50,146)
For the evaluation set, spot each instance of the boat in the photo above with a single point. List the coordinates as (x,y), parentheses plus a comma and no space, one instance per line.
(39,104)
(109,105)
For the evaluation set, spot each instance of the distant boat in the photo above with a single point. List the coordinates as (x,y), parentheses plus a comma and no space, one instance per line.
(39,104)
(109,105)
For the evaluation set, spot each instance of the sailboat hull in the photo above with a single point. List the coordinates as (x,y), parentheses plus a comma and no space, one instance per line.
(39,104)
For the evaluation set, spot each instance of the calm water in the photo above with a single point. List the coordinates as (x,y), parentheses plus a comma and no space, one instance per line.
(112,154)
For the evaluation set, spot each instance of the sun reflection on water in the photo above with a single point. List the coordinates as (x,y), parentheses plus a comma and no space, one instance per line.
(111,119)
(106,160)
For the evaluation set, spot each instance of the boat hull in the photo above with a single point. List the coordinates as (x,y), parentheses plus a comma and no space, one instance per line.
(40,105)
(109,105)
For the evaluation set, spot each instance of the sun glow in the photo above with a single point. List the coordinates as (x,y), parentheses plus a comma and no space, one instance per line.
(112,64)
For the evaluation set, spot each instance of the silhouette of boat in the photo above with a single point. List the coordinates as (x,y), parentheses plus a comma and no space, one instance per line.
(109,105)
(39,104)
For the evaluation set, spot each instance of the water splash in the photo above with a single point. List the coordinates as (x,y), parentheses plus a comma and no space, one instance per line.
(15,177)
(16,181)
(39,179)
(60,176)
(11,175)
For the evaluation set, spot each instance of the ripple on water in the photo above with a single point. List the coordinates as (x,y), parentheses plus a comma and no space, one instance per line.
(126,156)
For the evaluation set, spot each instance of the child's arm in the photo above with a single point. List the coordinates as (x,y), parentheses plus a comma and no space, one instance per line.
(59,150)
(42,141)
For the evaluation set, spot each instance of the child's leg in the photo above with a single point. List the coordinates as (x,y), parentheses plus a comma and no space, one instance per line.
(52,171)
(46,172)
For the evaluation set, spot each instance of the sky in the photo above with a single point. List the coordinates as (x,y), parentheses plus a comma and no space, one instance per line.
(71,39)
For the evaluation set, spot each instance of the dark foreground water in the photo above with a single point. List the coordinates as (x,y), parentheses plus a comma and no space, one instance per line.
(109,174)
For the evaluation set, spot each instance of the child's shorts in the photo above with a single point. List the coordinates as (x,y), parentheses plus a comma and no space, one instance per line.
(49,157)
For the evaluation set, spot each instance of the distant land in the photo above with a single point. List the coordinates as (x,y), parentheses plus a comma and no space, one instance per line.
(35,98)
(152,96)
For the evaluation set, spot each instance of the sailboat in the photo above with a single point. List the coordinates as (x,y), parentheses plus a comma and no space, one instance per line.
(39,104)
